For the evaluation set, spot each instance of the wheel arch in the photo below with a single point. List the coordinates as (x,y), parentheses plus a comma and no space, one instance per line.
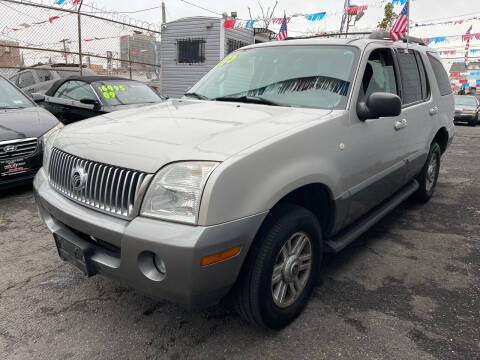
(441,137)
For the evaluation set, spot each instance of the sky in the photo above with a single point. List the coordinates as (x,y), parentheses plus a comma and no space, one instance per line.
(420,11)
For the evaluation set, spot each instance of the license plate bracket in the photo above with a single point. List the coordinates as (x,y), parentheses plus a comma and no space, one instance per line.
(14,167)
(77,253)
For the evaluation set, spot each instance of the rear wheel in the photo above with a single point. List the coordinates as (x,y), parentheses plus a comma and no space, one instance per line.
(429,176)
(281,269)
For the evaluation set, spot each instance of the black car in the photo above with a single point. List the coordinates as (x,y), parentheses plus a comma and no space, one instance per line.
(82,97)
(467,108)
(23,125)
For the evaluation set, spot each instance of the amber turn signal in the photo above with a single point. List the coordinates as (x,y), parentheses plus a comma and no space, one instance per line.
(222,255)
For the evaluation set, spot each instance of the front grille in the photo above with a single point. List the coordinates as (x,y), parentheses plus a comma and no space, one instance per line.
(106,188)
(14,149)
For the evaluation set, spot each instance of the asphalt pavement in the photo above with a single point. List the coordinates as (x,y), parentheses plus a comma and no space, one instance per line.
(407,289)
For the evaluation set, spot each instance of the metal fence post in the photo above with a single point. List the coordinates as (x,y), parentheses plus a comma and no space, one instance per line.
(80,63)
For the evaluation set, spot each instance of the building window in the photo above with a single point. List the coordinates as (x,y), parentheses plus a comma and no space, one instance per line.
(7,50)
(191,51)
(233,45)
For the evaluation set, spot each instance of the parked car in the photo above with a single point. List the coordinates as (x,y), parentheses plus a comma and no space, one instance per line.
(82,97)
(467,108)
(283,152)
(22,127)
(40,79)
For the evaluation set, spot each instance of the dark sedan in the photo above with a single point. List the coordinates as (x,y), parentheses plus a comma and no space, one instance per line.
(23,125)
(467,109)
(82,97)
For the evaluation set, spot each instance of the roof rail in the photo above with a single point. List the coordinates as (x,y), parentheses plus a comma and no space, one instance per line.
(384,35)
(374,35)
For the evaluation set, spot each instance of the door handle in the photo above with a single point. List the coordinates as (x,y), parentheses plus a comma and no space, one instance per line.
(433,111)
(400,124)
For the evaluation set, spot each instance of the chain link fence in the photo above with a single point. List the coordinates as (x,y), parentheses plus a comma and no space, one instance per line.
(71,40)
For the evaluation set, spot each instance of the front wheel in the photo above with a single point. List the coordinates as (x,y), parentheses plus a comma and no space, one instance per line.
(281,269)
(429,176)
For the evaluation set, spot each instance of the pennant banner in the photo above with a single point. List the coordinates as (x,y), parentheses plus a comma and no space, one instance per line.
(357,9)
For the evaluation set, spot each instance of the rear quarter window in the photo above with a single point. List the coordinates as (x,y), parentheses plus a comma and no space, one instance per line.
(441,75)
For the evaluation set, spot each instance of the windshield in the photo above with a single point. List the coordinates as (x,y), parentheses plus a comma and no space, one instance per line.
(10,97)
(465,100)
(309,76)
(118,92)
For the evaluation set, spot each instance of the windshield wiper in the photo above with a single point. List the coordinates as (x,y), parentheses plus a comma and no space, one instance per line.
(196,95)
(11,107)
(250,99)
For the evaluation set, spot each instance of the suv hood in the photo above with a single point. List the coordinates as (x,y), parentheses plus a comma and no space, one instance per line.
(25,123)
(146,139)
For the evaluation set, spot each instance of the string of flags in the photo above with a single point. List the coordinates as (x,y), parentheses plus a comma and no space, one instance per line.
(239,23)
(442,39)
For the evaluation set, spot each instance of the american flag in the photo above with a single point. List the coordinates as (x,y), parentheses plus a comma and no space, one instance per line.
(282,34)
(467,46)
(400,28)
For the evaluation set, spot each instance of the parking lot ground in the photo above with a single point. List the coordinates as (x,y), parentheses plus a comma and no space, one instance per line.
(407,289)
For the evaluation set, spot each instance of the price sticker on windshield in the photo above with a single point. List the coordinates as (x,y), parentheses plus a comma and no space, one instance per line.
(110,91)
(230,58)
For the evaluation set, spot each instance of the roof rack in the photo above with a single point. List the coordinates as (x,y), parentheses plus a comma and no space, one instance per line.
(374,35)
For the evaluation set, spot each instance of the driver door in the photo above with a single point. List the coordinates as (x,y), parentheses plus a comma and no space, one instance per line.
(378,159)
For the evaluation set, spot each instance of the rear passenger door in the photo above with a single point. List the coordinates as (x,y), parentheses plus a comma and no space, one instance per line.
(419,108)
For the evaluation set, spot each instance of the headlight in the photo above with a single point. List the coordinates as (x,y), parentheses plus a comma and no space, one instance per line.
(176,191)
(47,141)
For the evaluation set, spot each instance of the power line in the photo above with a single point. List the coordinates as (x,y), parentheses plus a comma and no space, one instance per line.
(201,7)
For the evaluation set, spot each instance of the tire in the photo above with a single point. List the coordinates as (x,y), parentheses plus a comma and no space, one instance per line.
(429,176)
(254,295)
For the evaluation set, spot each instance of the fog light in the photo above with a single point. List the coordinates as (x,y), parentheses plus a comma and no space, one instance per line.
(160,265)
(152,266)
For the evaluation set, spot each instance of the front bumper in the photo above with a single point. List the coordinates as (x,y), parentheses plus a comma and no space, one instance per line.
(181,247)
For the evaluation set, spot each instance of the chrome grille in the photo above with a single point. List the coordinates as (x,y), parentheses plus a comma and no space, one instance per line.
(14,149)
(109,189)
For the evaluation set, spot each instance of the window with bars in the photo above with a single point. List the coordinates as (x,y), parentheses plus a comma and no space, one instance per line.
(233,45)
(191,51)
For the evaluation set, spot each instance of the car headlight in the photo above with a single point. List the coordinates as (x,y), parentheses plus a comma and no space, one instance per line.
(176,191)
(47,142)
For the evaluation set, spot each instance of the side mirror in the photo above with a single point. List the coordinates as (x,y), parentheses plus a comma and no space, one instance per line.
(379,105)
(38,98)
(88,101)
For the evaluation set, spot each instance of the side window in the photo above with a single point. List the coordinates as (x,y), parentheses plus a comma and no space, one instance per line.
(14,79)
(379,74)
(411,80)
(26,79)
(75,90)
(423,77)
(441,75)
(44,75)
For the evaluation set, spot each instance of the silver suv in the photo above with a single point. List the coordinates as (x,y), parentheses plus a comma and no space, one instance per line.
(41,78)
(283,152)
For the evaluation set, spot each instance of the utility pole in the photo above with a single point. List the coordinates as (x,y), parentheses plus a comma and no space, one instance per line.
(164,13)
(64,41)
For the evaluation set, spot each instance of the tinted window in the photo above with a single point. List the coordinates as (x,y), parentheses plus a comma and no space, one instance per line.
(310,76)
(379,74)
(118,92)
(75,90)
(423,77)
(44,75)
(411,81)
(26,79)
(441,75)
(11,97)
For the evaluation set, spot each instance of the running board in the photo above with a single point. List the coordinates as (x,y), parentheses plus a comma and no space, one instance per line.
(346,237)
